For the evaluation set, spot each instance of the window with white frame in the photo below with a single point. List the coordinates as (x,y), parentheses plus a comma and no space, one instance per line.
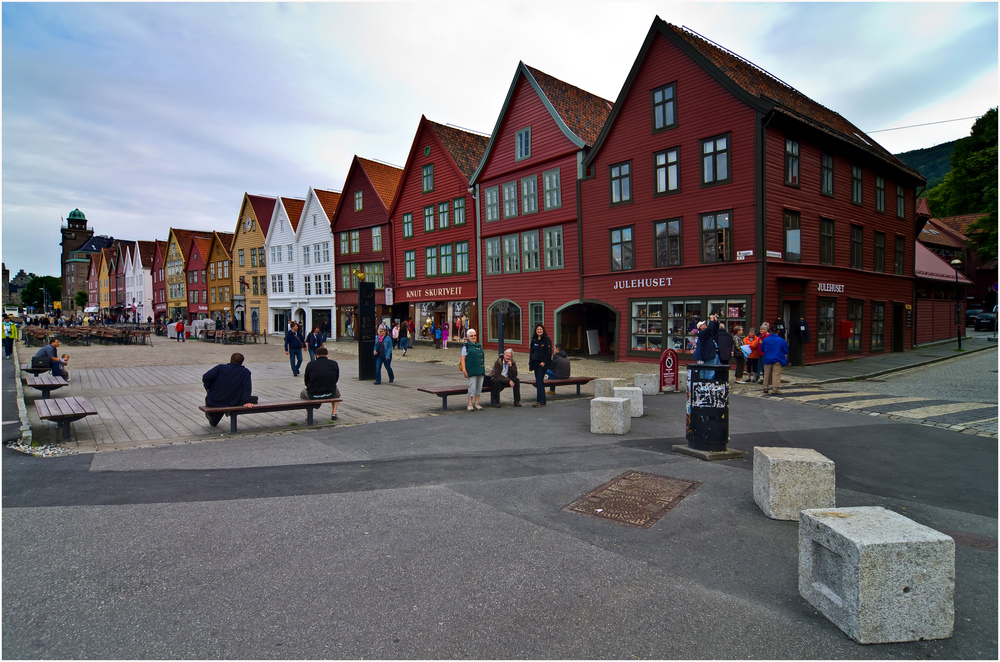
(305,256)
(553,238)
(522,149)
(529,251)
(326,284)
(307,285)
(551,189)
(511,254)
(326,251)
(494,255)
(289,252)
(291,282)
(492,203)
(316,250)
(510,199)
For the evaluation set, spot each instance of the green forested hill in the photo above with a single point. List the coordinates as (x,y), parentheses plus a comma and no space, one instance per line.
(932,162)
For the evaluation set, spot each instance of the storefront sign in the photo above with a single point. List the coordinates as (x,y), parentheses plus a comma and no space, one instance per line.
(642,282)
(829,287)
(435,293)
(668,370)
(742,255)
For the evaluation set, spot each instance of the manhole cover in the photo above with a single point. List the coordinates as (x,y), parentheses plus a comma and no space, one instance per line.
(973,540)
(635,498)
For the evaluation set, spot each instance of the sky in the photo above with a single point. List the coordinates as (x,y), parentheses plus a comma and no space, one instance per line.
(158,115)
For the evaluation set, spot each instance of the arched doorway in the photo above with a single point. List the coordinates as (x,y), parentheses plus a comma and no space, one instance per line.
(587,327)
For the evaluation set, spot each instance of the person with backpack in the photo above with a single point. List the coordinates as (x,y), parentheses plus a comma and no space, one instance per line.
(383,355)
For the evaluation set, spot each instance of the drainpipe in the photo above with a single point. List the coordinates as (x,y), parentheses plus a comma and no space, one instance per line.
(761,238)
(479,264)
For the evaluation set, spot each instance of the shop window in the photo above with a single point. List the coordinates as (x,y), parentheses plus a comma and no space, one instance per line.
(826,315)
(878,325)
(855,312)
(667,238)
(793,236)
(730,312)
(681,330)
(647,326)
(511,321)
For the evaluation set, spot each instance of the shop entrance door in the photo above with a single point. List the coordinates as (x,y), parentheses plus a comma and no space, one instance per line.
(897,327)
(791,313)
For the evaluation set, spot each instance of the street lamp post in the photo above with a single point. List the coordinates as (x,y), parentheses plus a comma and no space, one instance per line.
(959,321)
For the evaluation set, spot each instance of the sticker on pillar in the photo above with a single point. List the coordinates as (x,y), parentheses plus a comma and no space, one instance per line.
(710,394)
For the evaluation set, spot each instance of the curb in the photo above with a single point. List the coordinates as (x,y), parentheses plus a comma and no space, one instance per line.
(22,409)
(887,371)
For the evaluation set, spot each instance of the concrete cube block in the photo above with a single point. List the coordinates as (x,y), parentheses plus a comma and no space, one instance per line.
(789,480)
(604,387)
(878,576)
(650,384)
(635,398)
(610,416)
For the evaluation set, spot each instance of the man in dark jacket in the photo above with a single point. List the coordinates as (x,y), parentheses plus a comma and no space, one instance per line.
(228,385)
(321,377)
(724,341)
(706,350)
(558,367)
(293,347)
(504,375)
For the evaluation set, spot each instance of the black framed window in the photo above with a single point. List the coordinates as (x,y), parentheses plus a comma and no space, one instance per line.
(900,202)
(791,162)
(826,241)
(716,236)
(715,160)
(664,108)
(826,316)
(898,263)
(856,190)
(879,252)
(826,174)
(857,247)
(880,194)
(621,183)
(668,241)
(622,249)
(855,312)
(878,325)
(793,236)
(667,168)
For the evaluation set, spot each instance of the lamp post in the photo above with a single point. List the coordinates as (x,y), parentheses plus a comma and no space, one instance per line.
(956,263)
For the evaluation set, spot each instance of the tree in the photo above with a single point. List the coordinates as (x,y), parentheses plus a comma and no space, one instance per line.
(81,299)
(41,291)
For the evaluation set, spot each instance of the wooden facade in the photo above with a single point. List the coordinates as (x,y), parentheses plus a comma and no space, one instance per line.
(220,281)
(196,269)
(249,262)
(159,277)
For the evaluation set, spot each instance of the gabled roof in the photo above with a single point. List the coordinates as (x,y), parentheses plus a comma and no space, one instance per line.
(293,207)
(204,245)
(328,201)
(959,223)
(759,89)
(384,178)
(935,232)
(184,238)
(226,239)
(930,266)
(465,147)
(108,255)
(579,114)
(146,250)
(263,208)
(95,244)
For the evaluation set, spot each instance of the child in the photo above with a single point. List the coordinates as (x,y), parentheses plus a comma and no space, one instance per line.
(65,361)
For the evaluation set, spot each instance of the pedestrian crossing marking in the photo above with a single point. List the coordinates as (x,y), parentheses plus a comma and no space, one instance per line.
(939,410)
(878,402)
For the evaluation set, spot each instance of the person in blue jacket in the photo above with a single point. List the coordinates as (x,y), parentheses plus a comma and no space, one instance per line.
(293,347)
(774,354)
(228,385)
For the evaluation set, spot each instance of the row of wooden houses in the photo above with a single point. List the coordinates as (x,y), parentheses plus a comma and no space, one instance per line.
(708,187)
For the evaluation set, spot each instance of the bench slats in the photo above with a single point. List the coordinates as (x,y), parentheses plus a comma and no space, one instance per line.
(444,391)
(266,407)
(64,411)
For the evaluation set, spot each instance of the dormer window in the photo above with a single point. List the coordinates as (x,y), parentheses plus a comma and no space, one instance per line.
(522,149)
(358,202)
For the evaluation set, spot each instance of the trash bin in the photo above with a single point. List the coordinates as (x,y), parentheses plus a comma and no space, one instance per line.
(708,407)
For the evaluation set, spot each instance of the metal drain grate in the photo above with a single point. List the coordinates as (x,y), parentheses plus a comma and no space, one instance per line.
(635,499)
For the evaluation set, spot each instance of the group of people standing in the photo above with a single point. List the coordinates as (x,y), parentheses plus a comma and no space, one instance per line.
(763,355)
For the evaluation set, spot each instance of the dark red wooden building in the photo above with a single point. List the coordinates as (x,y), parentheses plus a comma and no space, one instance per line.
(197,277)
(715,188)
(159,281)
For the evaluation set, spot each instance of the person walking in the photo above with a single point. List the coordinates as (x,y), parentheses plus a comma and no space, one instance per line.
(293,347)
(473,367)
(179,328)
(10,335)
(774,349)
(539,357)
(313,342)
(383,355)
(404,336)
(444,335)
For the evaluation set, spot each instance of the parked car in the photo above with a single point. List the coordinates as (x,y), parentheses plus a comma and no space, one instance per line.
(986,322)
(971,314)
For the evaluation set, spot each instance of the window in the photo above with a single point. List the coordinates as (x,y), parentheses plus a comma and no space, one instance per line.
(900,256)
(826,243)
(275,254)
(522,149)
(715,238)
(459,206)
(511,254)
(358,200)
(256,289)
(326,284)
(857,247)
(667,241)
(900,202)
(878,325)
(462,257)
(856,185)
(428,178)
(855,310)
(447,265)
(511,321)
(879,194)
(551,189)
(407,226)
(791,162)
(715,160)
(410,264)
(826,314)
(553,247)
(307,285)
(667,171)
(305,255)
(316,247)
(793,236)
(879,265)
(510,200)
(621,183)
(345,246)
(291,282)
(326,251)
(289,251)
(281,283)
(664,111)
(529,195)
(442,215)
(374,274)
(345,278)
(430,261)
(826,174)
(622,249)
(493,203)
(376,240)
(529,251)
(355,242)
(494,256)
(429,219)
(239,255)
(647,326)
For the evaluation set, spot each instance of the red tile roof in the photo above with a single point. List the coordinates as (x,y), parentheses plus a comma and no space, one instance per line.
(263,209)
(584,113)
(147,251)
(928,265)
(959,223)
(204,245)
(328,200)
(936,233)
(184,238)
(466,148)
(384,177)
(293,207)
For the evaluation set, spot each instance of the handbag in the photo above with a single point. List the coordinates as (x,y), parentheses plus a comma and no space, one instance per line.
(41,362)
(746,349)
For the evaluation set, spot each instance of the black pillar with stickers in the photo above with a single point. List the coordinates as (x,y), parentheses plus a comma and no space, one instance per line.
(708,407)
(366,331)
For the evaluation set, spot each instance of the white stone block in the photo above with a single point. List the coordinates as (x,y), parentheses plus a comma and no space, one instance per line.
(635,398)
(878,576)
(610,416)
(650,384)
(604,386)
(789,480)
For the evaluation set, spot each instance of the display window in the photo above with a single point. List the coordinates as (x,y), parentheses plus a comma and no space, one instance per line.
(647,326)
(660,324)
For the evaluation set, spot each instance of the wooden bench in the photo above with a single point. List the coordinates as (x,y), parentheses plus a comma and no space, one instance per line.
(45,383)
(444,391)
(64,411)
(34,371)
(267,407)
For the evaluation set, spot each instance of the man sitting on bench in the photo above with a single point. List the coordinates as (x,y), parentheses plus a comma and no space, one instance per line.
(228,385)
(504,375)
(49,352)
(321,379)
(559,367)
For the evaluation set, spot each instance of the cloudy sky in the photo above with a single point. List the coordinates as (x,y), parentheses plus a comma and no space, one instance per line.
(151,116)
